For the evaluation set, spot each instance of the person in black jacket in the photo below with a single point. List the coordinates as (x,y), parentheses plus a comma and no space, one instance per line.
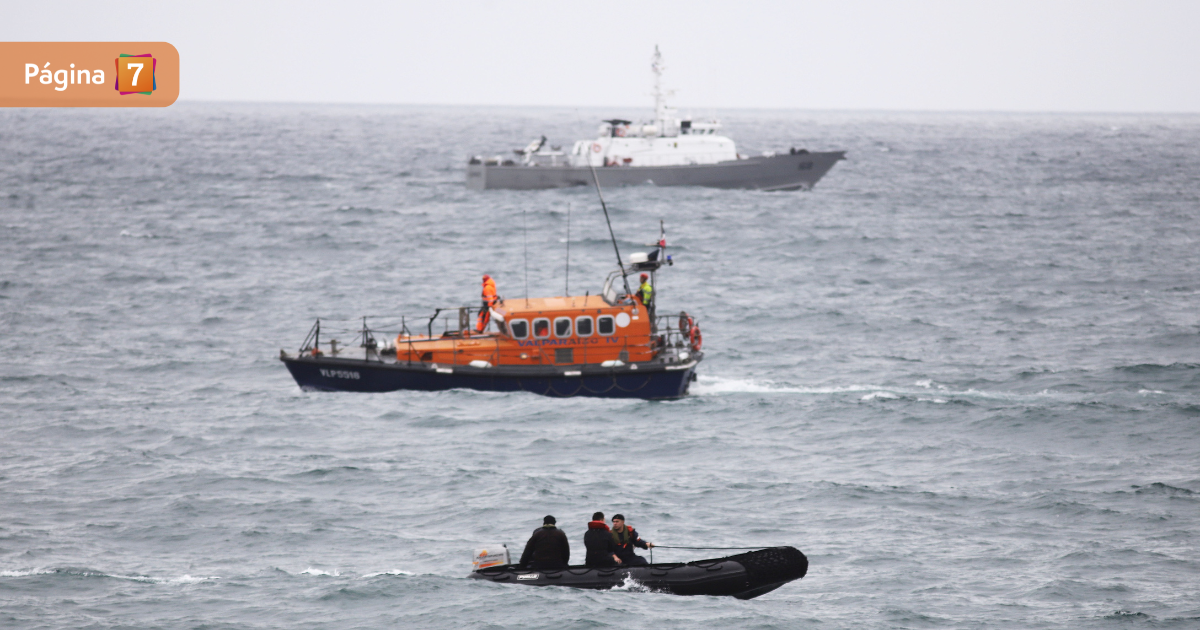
(626,539)
(601,548)
(547,547)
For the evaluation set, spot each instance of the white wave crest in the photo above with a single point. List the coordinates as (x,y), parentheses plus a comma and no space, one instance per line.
(131,578)
(10,573)
(190,579)
(145,579)
(312,571)
(128,234)
(392,572)
(183,579)
(631,585)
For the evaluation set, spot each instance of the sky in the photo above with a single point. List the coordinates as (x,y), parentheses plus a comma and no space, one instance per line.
(937,55)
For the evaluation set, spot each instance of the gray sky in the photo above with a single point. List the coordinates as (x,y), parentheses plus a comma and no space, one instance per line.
(1016,55)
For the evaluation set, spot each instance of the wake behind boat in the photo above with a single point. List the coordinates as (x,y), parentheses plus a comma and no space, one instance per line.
(744,576)
(667,151)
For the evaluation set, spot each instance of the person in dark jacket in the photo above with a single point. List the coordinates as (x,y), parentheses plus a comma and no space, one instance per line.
(626,539)
(601,548)
(547,547)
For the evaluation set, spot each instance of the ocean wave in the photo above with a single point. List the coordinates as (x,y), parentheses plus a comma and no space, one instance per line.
(322,472)
(1127,615)
(183,579)
(129,234)
(188,579)
(313,571)
(89,573)
(1149,368)
(392,572)
(1162,488)
(25,573)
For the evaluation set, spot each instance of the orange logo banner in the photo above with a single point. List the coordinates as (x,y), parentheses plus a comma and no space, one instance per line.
(88,74)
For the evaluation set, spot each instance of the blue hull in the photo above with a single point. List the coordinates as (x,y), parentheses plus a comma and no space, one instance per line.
(647,380)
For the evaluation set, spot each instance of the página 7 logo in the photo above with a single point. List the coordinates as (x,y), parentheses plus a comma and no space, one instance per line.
(62,77)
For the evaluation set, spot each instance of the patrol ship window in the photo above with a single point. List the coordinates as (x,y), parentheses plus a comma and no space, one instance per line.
(562,327)
(604,324)
(583,326)
(519,328)
(541,328)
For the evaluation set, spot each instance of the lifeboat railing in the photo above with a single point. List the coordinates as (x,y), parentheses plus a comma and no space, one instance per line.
(668,336)
(466,317)
(368,337)
(374,340)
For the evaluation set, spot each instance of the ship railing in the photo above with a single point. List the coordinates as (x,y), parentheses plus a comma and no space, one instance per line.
(668,336)
(372,338)
(375,338)
(465,322)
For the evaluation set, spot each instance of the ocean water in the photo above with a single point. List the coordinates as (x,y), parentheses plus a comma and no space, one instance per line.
(962,374)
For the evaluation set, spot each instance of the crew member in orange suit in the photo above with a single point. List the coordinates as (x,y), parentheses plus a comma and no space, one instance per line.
(489,300)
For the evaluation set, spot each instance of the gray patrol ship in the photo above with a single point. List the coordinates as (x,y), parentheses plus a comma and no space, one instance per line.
(667,151)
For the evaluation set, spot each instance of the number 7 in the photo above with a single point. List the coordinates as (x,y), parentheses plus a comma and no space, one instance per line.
(136,72)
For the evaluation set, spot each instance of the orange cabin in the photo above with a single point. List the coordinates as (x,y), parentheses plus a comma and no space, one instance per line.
(577,330)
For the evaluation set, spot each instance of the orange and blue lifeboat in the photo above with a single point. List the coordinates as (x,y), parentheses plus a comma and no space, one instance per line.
(588,345)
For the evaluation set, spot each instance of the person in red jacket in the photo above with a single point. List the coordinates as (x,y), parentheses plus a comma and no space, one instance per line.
(626,539)
(601,549)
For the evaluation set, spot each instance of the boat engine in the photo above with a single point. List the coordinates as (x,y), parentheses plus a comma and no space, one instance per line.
(491,556)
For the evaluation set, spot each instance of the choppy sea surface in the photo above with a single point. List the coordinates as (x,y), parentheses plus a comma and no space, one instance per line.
(962,374)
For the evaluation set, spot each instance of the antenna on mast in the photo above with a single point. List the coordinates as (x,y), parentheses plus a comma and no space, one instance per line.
(657,67)
(525,239)
(567,281)
(661,111)
(621,265)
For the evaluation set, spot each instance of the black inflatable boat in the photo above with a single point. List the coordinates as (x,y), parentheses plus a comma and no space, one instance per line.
(744,576)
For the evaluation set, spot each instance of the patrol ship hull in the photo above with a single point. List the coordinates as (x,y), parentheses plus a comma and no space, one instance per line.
(799,171)
(649,380)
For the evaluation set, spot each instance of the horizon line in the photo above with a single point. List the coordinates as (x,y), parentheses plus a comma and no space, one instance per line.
(855,110)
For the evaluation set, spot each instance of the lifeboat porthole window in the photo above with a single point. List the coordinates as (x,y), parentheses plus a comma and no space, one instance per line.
(519,328)
(562,327)
(583,326)
(541,328)
(605,325)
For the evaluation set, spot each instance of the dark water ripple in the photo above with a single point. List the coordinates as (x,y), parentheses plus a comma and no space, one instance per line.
(963,374)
